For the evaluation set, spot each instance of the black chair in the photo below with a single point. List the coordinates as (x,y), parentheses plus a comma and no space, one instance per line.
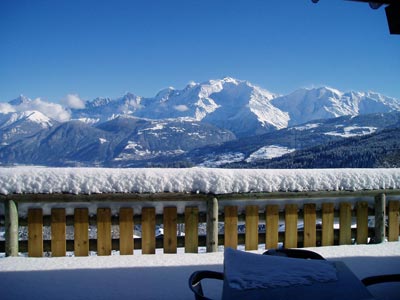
(196,278)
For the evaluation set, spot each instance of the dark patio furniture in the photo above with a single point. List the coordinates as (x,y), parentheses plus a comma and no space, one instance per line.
(196,278)
(347,286)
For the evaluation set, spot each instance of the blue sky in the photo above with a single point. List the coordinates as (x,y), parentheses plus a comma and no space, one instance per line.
(94,48)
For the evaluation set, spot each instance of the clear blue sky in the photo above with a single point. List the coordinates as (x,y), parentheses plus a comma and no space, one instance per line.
(94,48)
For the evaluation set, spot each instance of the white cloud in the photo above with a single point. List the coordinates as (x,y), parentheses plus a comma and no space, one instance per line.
(73,101)
(6,108)
(51,110)
(181,108)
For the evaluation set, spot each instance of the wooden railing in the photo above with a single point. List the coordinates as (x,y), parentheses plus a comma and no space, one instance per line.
(273,219)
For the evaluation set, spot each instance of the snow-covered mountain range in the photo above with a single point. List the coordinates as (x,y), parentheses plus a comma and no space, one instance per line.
(228,103)
(135,128)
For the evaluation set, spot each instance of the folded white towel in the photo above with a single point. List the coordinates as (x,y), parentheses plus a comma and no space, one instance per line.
(245,270)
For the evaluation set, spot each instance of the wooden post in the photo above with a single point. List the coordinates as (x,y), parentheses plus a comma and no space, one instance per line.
(393,218)
(310,221)
(11,227)
(231,227)
(58,230)
(148,230)
(251,236)
(126,231)
(35,232)
(291,218)
(212,225)
(170,222)
(380,218)
(345,224)
(272,226)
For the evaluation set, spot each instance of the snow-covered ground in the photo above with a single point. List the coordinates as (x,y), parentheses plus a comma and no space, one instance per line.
(160,276)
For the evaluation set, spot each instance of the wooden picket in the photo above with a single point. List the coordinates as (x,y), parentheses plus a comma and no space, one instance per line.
(291,217)
(272,226)
(231,226)
(81,232)
(35,232)
(191,229)
(170,229)
(252,219)
(58,232)
(362,222)
(345,224)
(148,230)
(328,213)
(103,231)
(310,221)
(126,231)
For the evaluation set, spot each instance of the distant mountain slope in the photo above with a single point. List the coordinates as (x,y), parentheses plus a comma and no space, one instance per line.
(378,150)
(248,152)
(114,143)
(71,143)
(141,139)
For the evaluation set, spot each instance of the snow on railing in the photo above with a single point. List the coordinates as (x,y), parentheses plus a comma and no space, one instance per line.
(192,180)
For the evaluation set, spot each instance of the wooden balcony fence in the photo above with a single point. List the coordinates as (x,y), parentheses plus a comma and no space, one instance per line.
(326,218)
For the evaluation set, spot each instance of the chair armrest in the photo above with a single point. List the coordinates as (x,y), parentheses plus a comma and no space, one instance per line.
(195,282)
(381,279)
(294,253)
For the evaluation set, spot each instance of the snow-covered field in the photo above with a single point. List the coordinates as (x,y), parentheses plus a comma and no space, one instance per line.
(160,276)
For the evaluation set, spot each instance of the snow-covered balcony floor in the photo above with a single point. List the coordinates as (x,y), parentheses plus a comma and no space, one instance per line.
(160,276)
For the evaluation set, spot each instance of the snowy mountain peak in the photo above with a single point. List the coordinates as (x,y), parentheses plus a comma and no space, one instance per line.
(228,79)
(164,94)
(305,105)
(38,117)
(130,102)
(329,90)
(29,116)
(129,96)
(20,100)
(99,101)
(191,84)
